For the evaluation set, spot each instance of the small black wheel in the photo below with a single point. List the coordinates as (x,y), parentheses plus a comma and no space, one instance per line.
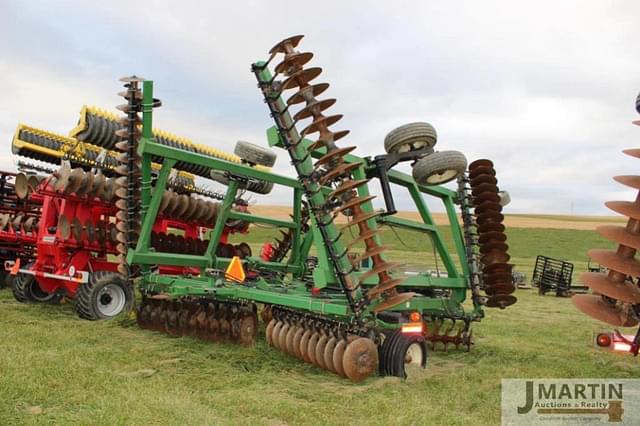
(9,280)
(410,137)
(638,103)
(401,354)
(106,295)
(439,168)
(22,288)
(255,154)
(3,279)
(38,295)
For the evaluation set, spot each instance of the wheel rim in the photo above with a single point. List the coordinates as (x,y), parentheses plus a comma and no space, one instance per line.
(413,360)
(111,300)
(40,295)
(442,177)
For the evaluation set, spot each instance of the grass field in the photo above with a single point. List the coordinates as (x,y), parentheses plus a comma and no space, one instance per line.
(55,368)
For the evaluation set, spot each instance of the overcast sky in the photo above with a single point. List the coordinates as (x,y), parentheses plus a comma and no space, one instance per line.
(545,89)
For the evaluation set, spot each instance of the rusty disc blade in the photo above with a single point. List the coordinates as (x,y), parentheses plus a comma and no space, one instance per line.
(485,187)
(479,171)
(275,334)
(367,235)
(497,267)
(370,252)
(346,186)
(121,170)
(288,343)
(121,237)
(4,219)
(21,186)
(360,359)
(488,207)
(28,224)
(90,229)
(631,181)
(108,190)
(343,170)
(378,268)
(634,152)
(489,217)
(304,344)
(288,43)
(360,219)
(483,162)
(626,208)
(384,286)
(614,261)
(484,178)
(486,248)
(121,226)
(183,205)
(166,198)
(487,196)
(64,227)
(86,185)
(328,137)
(500,289)
(301,78)
(501,301)
(76,179)
(491,227)
(99,182)
(248,330)
(293,62)
(282,337)
(297,337)
(121,204)
(314,108)
(17,221)
(625,291)
(597,308)
(338,357)
(393,301)
(269,330)
(320,347)
(493,237)
(313,90)
(320,123)
(333,155)
(620,235)
(328,353)
(497,278)
(121,248)
(311,347)
(495,256)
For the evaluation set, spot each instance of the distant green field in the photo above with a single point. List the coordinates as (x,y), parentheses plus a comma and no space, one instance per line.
(569,218)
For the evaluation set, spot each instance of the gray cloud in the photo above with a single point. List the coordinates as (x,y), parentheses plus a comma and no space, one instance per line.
(544,89)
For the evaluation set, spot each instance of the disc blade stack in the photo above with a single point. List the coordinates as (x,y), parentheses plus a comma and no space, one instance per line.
(616,294)
(496,271)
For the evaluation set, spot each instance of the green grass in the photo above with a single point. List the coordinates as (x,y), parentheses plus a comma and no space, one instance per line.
(58,369)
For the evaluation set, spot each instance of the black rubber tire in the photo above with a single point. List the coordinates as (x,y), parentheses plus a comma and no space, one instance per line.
(38,295)
(9,280)
(255,154)
(90,303)
(22,288)
(410,137)
(3,279)
(638,103)
(394,350)
(258,187)
(439,168)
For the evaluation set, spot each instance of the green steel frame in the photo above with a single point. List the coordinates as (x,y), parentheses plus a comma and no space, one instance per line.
(289,288)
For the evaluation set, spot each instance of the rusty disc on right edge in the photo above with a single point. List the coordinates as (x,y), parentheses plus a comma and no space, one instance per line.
(360,359)
(597,308)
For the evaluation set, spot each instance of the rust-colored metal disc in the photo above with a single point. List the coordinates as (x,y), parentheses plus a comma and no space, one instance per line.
(282,337)
(297,337)
(490,217)
(248,329)
(341,171)
(301,78)
(498,267)
(28,224)
(626,208)
(485,187)
(17,221)
(288,341)
(479,171)
(487,196)
(333,137)
(275,334)
(394,301)
(360,359)
(289,42)
(383,286)
(76,178)
(500,289)
(620,235)
(495,256)
(166,198)
(311,347)
(121,192)
(367,235)
(633,152)
(496,278)
(631,181)
(600,283)
(293,61)
(597,308)
(491,227)
(338,356)
(328,353)
(369,253)
(123,268)
(612,260)
(360,219)
(97,188)
(346,186)
(321,123)
(501,301)
(314,108)
(333,155)
(21,186)
(320,347)
(380,267)
(488,207)
(304,344)
(64,227)
(108,190)
(483,162)
(484,178)
(315,90)
(183,205)
(492,237)
(87,184)
(121,237)
(121,204)
(121,248)
(486,248)
(122,225)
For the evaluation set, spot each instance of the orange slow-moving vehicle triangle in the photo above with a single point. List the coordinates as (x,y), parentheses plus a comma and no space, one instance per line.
(235,271)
